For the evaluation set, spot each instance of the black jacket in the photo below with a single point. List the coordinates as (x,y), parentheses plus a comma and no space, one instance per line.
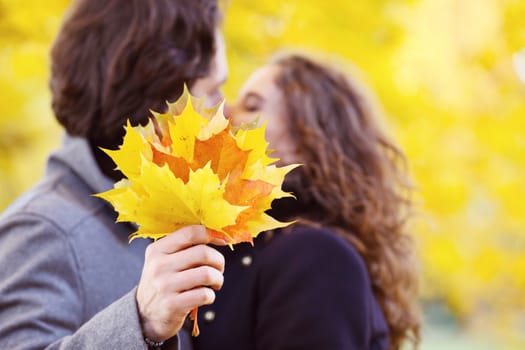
(307,289)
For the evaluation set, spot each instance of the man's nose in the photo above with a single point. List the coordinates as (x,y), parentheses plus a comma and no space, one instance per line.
(228,111)
(213,99)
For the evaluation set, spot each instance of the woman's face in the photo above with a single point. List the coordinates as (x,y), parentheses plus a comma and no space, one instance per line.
(260,97)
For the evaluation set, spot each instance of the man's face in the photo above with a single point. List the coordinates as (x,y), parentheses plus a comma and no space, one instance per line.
(210,86)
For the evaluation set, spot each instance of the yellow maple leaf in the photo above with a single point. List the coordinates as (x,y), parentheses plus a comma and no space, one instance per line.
(127,158)
(184,132)
(253,140)
(187,166)
(217,124)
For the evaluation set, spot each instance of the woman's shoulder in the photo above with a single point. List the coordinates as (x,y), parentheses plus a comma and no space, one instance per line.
(315,251)
(315,283)
(303,242)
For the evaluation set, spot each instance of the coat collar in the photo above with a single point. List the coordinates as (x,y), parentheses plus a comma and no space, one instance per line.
(76,154)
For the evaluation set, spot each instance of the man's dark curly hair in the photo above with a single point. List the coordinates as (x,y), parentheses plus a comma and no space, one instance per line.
(116,59)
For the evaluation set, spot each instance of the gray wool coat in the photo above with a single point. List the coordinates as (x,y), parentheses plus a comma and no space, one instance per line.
(67,273)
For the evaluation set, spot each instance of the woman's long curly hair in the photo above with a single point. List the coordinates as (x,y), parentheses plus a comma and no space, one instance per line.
(354,180)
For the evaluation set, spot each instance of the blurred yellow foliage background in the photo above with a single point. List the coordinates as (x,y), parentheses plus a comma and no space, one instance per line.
(443,72)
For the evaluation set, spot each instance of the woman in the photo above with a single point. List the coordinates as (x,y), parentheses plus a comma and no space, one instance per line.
(343,276)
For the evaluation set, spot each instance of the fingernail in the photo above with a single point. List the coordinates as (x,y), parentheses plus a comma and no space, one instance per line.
(218,241)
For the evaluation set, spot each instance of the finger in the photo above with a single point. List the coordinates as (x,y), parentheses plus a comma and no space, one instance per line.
(218,241)
(183,238)
(216,238)
(195,256)
(193,298)
(203,276)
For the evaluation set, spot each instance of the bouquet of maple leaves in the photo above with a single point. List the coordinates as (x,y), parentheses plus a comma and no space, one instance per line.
(190,166)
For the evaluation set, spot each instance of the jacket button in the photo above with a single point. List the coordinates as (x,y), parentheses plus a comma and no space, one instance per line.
(209,316)
(246,260)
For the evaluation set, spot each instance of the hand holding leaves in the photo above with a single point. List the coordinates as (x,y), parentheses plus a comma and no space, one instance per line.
(188,167)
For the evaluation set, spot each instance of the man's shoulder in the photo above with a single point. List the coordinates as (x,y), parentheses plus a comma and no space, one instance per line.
(60,199)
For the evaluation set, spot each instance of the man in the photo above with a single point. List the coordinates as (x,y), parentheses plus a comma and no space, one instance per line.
(69,278)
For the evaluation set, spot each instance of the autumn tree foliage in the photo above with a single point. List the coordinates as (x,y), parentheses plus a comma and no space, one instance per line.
(443,72)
